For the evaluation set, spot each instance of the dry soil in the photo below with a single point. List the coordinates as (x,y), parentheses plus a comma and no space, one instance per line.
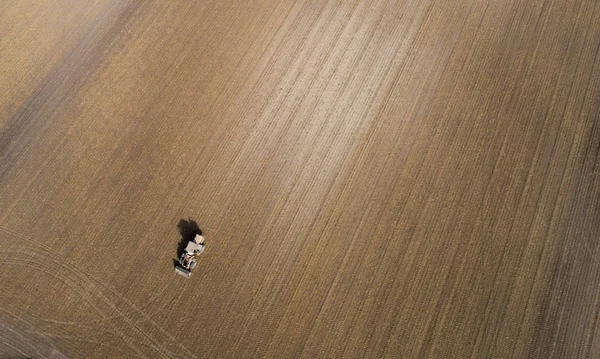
(408,179)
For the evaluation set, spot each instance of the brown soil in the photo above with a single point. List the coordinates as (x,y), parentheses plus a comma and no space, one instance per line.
(409,179)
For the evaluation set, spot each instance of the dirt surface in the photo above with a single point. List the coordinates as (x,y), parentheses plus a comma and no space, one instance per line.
(409,179)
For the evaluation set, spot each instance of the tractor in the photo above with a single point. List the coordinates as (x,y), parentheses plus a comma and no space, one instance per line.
(189,258)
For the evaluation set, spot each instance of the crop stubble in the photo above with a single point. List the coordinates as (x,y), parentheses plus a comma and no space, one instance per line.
(374,179)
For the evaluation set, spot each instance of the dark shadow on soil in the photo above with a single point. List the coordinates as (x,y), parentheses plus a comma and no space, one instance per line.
(188,230)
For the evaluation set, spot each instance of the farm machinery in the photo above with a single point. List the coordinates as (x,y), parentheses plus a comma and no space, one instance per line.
(189,258)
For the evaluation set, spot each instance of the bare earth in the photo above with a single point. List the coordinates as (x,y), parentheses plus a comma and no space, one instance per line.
(408,179)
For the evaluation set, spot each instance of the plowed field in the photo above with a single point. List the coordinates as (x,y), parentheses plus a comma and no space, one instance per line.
(407,179)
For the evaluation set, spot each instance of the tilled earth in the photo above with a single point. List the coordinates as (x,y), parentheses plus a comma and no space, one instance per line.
(373,178)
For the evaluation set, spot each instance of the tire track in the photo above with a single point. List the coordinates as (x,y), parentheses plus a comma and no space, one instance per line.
(25,341)
(88,288)
(88,294)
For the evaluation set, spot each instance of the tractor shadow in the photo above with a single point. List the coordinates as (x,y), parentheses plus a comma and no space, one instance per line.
(188,230)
